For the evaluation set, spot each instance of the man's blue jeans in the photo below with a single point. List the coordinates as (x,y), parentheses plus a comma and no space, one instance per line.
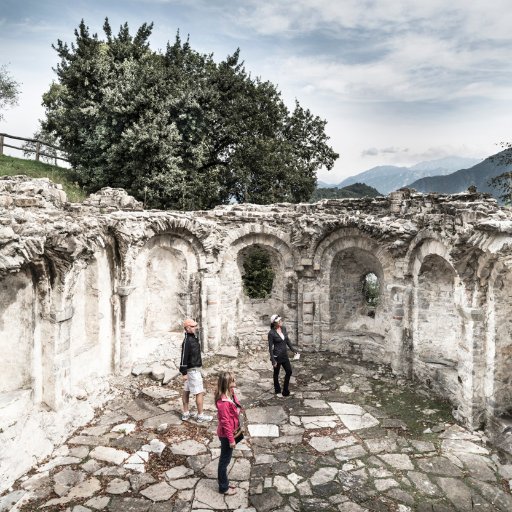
(224,460)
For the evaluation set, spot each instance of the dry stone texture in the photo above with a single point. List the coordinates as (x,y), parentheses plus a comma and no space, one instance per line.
(90,291)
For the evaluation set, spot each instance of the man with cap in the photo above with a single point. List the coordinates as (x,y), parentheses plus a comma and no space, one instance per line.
(190,365)
(278,342)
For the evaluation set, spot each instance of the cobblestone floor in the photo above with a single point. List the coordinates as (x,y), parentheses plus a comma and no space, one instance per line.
(352,438)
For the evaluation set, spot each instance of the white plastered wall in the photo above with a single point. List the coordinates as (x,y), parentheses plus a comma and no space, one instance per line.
(91,333)
(165,292)
(17,302)
(437,326)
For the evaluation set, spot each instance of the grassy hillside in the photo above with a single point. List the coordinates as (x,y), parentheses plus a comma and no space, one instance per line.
(355,190)
(10,166)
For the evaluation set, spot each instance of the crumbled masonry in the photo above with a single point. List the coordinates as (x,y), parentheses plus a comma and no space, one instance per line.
(353,437)
(90,292)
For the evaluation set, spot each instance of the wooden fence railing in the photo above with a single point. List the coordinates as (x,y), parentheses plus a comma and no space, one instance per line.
(39,145)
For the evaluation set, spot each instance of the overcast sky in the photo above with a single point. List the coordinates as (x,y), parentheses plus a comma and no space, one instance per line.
(399,81)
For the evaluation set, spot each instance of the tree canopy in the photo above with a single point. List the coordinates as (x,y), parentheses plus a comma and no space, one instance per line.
(350,191)
(9,90)
(177,127)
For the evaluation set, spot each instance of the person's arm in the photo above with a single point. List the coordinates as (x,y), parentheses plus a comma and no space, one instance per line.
(271,347)
(224,421)
(185,348)
(237,403)
(288,342)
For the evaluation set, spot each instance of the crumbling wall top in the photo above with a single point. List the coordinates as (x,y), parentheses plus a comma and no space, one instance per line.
(36,219)
(21,191)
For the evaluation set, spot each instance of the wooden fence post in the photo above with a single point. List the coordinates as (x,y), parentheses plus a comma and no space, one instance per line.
(1,144)
(38,149)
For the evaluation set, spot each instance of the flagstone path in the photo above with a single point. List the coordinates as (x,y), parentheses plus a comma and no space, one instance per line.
(352,438)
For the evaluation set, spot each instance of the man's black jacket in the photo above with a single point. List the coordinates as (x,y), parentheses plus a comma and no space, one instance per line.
(190,353)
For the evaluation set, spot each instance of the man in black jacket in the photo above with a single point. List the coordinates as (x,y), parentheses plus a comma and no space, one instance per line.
(190,365)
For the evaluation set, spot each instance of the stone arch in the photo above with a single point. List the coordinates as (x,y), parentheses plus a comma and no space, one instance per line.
(438,330)
(343,259)
(250,234)
(165,289)
(175,228)
(255,313)
(498,382)
(91,334)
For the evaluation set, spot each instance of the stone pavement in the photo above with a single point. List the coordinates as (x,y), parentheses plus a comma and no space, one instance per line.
(353,437)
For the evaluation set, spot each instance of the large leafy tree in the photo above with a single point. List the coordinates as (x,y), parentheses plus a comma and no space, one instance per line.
(176,127)
(9,90)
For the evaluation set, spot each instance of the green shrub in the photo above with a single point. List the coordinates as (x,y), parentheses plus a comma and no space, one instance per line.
(258,276)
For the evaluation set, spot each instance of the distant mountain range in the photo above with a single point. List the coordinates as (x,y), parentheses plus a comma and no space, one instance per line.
(386,178)
(478,175)
(446,176)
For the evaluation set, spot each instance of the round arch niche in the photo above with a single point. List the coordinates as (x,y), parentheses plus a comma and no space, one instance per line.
(500,346)
(352,271)
(245,320)
(438,327)
(166,290)
(92,339)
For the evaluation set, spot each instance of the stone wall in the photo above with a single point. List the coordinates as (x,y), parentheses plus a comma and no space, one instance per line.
(88,290)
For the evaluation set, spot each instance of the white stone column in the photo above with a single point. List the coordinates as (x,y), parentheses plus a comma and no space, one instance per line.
(125,336)
(306,310)
(117,332)
(400,338)
(211,298)
(57,358)
(471,368)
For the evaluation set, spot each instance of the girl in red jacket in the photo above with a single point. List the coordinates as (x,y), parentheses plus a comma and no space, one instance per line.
(228,412)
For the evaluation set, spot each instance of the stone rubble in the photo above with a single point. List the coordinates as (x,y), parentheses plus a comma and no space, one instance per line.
(301,453)
(97,289)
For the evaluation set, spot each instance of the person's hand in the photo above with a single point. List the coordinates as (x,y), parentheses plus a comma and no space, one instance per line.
(232,445)
(274,364)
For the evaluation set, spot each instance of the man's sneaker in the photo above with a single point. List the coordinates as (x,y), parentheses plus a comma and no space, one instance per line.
(203,418)
(279,395)
(185,416)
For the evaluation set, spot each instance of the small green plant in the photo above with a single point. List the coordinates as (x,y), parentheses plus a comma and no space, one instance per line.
(371,289)
(258,275)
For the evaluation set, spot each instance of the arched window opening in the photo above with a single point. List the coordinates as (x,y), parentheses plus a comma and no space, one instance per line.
(258,273)
(371,292)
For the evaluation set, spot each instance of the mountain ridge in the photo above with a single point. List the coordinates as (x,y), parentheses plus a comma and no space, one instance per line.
(387,178)
(459,181)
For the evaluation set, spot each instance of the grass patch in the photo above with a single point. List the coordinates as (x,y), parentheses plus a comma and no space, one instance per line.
(408,405)
(11,166)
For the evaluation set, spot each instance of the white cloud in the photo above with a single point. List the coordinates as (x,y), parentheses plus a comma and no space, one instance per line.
(385,151)
(413,51)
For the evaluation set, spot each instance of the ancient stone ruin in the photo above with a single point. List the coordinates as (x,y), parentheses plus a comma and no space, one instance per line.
(90,290)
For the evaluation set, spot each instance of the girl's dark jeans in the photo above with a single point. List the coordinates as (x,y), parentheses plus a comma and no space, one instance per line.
(288,373)
(224,460)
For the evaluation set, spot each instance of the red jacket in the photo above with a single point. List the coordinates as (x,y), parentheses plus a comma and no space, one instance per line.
(227,414)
